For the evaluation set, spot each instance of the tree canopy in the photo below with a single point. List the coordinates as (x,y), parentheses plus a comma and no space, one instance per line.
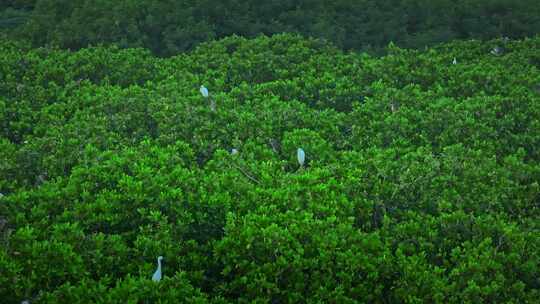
(168,27)
(420,183)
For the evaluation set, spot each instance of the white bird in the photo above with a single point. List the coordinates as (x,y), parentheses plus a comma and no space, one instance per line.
(301,156)
(204,91)
(234,151)
(496,51)
(454,61)
(157,275)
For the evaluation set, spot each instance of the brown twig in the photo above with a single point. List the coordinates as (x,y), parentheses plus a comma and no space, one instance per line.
(247,175)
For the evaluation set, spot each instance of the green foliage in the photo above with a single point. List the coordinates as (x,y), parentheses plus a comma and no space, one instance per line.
(172,26)
(422,180)
(176,289)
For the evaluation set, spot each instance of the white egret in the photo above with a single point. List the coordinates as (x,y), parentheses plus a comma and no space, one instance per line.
(205,94)
(454,61)
(204,91)
(301,156)
(157,275)
(496,51)
(234,151)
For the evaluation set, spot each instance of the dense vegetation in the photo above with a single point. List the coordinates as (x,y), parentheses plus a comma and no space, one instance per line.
(168,27)
(422,180)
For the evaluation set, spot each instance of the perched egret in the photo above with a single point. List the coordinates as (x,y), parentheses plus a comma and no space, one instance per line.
(454,61)
(301,156)
(204,91)
(234,151)
(157,275)
(41,178)
(275,145)
(496,51)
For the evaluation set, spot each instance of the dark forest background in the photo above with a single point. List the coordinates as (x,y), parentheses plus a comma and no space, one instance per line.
(170,26)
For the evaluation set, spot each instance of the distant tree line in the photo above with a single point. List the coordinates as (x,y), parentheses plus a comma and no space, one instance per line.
(168,27)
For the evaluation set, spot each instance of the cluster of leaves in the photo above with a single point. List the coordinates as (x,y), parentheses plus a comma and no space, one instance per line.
(171,26)
(422,181)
